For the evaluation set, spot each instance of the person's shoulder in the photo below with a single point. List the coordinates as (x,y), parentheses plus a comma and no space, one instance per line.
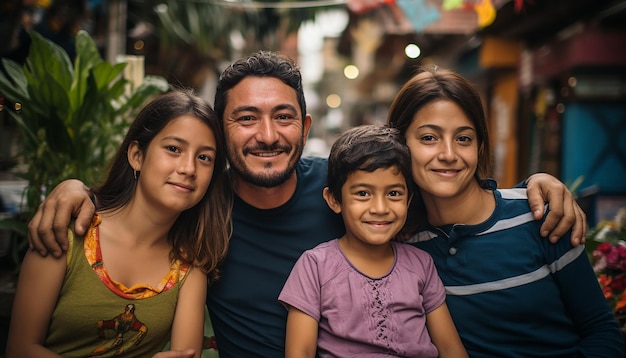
(323,248)
(321,252)
(512,193)
(325,259)
(313,164)
(411,251)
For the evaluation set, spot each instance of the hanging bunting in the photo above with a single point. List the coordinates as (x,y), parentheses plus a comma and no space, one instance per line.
(451,4)
(419,13)
(486,13)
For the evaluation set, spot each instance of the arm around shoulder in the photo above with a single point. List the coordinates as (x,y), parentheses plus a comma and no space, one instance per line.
(47,230)
(564,214)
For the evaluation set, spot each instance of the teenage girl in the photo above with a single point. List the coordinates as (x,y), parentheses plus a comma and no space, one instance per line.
(137,280)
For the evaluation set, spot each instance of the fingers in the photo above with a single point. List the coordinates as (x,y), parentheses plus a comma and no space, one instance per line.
(34,239)
(41,230)
(562,219)
(536,202)
(542,188)
(579,230)
(47,230)
(564,213)
(84,217)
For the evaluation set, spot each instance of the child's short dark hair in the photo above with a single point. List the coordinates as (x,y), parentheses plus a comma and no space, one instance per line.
(367,147)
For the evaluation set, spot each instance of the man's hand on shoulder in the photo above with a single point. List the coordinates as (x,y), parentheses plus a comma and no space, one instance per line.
(47,230)
(564,214)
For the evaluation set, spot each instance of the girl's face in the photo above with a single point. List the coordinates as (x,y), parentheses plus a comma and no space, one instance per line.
(444,149)
(178,165)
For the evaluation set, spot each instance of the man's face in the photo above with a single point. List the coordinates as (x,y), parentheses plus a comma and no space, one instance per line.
(265,133)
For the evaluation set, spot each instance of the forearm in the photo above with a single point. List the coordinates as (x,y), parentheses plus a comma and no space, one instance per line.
(29,350)
(594,320)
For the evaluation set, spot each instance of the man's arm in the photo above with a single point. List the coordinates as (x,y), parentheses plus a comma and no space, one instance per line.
(47,230)
(564,214)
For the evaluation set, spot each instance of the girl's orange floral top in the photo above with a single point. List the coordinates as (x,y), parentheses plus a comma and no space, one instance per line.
(177,272)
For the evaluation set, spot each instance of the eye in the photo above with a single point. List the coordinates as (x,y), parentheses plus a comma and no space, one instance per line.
(205,157)
(245,118)
(428,138)
(397,195)
(362,193)
(173,148)
(284,116)
(465,139)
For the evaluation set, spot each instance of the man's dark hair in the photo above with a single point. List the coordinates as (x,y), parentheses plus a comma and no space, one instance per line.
(259,64)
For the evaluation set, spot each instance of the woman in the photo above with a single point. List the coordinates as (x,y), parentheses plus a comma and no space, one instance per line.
(511,292)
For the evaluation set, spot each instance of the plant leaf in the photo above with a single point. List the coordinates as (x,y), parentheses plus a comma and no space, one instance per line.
(14,87)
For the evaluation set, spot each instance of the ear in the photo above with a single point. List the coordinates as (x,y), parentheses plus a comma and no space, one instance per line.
(134,155)
(306,127)
(330,200)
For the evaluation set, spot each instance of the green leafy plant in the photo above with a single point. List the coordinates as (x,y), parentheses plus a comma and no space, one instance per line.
(73,114)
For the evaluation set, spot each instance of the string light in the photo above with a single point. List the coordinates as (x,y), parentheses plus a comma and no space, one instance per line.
(274,5)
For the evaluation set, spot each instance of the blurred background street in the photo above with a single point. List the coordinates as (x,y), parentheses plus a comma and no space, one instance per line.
(552,73)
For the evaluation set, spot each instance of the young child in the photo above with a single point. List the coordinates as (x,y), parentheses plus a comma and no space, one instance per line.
(138,278)
(364,293)
(511,292)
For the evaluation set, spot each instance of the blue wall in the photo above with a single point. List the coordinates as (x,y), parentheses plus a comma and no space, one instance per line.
(594,145)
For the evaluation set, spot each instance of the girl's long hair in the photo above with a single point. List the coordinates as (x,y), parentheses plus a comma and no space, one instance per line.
(200,235)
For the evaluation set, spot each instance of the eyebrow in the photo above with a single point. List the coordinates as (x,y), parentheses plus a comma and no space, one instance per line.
(181,140)
(439,128)
(257,110)
(369,186)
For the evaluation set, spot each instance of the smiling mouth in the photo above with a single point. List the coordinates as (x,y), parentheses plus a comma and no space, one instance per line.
(266,151)
(182,186)
(379,223)
(265,154)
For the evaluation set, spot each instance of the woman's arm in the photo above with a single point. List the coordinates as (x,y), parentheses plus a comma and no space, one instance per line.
(188,325)
(586,305)
(443,333)
(301,338)
(38,288)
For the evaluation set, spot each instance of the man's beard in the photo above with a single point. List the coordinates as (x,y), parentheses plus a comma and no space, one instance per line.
(238,166)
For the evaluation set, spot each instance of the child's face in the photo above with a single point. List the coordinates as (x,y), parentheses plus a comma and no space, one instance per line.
(374,205)
(178,165)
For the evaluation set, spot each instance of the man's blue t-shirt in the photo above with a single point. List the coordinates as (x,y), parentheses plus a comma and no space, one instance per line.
(247,318)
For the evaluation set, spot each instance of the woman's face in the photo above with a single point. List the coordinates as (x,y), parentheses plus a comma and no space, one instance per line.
(444,149)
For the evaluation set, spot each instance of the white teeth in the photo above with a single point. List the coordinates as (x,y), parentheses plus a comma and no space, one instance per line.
(270,154)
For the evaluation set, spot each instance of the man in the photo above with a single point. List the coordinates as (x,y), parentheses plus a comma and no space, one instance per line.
(278,210)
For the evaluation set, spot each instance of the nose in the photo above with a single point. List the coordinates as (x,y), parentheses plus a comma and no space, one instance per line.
(447,152)
(379,205)
(187,165)
(267,132)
